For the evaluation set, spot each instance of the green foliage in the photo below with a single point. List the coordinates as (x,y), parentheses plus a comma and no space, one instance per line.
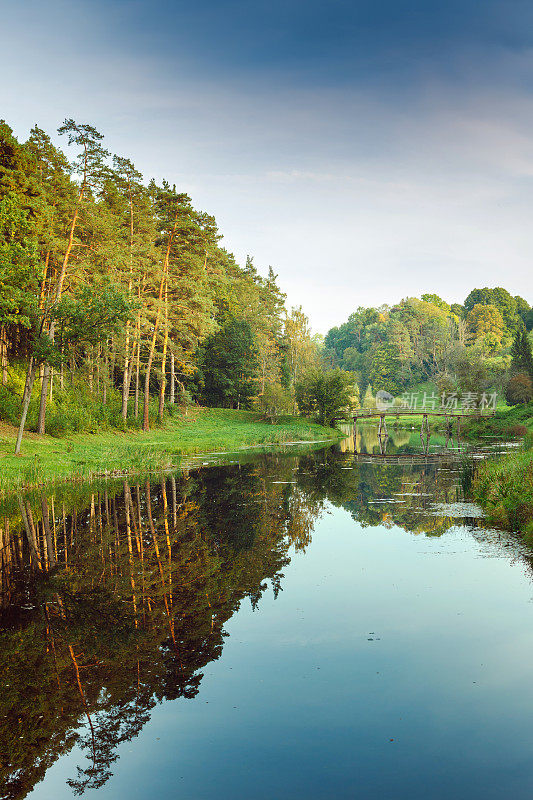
(19,263)
(118,282)
(9,405)
(229,365)
(446,385)
(504,488)
(384,370)
(501,299)
(435,300)
(522,358)
(502,424)
(325,394)
(470,370)
(274,402)
(519,389)
(485,324)
(415,341)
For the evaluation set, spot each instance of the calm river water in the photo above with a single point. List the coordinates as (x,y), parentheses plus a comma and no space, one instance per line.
(321,625)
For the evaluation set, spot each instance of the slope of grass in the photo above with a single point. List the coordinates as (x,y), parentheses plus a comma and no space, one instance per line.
(84,456)
(507,422)
(504,489)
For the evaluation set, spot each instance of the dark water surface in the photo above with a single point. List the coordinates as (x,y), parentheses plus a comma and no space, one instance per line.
(313,626)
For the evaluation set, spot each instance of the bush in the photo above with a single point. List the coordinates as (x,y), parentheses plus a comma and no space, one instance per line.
(518,430)
(58,424)
(519,389)
(446,385)
(9,405)
(274,402)
(325,394)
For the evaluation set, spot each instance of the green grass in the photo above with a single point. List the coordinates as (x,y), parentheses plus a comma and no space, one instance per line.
(504,489)
(507,422)
(86,456)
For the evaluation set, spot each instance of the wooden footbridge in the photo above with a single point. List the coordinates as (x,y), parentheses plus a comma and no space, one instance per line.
(381,414)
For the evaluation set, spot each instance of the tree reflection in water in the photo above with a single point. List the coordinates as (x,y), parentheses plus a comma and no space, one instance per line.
(114,598)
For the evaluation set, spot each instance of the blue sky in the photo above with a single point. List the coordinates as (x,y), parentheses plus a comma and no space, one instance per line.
(367,150)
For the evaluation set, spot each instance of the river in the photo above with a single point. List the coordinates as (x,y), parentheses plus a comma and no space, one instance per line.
(296,624)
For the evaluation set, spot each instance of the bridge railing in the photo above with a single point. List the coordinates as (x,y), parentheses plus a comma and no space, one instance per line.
(361,413)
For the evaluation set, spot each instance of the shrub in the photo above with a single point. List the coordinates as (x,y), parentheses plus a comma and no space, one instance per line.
(58,424)
(9,405)
(274,402)
(446,385)
(325,394)
(519,389)
(518,430)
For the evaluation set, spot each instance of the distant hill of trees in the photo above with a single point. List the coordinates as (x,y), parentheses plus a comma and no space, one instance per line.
(424,339)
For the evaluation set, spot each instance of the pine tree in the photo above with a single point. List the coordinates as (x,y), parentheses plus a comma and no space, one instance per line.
(89,165)
(521,353)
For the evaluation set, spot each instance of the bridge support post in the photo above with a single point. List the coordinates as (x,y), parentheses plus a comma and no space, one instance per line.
(382,429)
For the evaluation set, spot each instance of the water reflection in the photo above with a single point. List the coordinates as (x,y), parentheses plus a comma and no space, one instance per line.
(365,439)
(114,598)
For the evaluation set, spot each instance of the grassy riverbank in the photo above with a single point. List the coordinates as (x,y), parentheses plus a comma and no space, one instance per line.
(504,489)
(504,424)
(84,456)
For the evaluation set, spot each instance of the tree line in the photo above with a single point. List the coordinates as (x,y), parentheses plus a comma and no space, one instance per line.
(483,343)
(117,300)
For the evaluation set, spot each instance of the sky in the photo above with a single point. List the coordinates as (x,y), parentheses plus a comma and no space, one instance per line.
(368,150)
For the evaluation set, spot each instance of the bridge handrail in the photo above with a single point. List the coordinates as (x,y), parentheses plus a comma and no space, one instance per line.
(404,412)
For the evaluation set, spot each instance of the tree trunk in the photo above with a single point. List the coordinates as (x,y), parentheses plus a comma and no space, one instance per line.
(3,356)
(43,282)
(164,362)
(137,380)
(44,396)
(26,397)
(51,331)
(146,415)
(111,371)
(128,360)
(126,378)
(146,418)
(172,397)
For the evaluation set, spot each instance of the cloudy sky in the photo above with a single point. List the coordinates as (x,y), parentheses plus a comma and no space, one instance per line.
(368,150)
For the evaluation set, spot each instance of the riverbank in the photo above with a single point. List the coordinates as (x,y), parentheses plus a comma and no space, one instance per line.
(504,489)
(45,459)
(504,424)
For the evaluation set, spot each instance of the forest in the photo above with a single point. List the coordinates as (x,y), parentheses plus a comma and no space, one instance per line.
(483,344)
(119,308)
(117,301)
